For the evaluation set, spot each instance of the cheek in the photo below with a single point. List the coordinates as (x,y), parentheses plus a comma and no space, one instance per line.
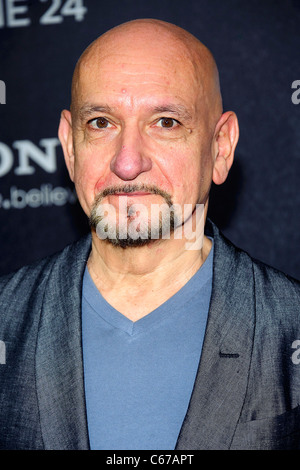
(185,174)
(191,178)
(84,174)
(206,169)
(88,178)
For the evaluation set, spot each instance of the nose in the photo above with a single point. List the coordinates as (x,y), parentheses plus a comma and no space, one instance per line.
(129,160)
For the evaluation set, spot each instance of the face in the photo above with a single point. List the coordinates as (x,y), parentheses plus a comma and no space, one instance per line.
(140,127)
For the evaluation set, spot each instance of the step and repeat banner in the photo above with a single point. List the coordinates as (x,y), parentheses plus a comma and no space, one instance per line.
(256,45)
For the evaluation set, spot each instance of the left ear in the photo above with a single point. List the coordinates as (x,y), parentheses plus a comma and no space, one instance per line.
(225,141)
(66,139)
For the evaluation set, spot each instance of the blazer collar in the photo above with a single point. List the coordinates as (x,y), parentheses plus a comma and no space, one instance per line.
(59,362)
(221,381)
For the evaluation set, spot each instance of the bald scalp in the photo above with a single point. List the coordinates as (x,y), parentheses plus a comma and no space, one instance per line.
(141,34)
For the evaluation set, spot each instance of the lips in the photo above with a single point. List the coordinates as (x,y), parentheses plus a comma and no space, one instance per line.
(133,191)
(137,193)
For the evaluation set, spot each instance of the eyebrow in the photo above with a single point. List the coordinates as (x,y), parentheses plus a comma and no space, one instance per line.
(175,109)
(88,110)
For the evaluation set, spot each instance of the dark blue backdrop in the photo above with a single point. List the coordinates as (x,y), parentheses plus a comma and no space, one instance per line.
(256,45)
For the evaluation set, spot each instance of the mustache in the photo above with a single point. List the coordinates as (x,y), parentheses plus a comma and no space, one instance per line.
(132,188)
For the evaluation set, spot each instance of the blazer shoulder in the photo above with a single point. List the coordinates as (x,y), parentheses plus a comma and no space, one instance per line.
(275,282)
(29,282)
(20,283)
(276,294)
(266,278)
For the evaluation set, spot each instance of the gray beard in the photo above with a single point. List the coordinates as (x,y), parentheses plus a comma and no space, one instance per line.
(144,236)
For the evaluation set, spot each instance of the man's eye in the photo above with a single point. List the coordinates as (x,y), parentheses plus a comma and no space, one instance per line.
(99,123)
(167,122)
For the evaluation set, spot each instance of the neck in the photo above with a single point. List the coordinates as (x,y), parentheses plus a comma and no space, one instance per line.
(137,280)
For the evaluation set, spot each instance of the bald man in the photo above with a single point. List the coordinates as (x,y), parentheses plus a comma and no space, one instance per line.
(150,333)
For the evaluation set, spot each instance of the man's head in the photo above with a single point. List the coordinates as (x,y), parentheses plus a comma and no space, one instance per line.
(146,119)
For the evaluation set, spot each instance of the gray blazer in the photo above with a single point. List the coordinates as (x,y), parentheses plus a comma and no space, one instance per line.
(247,390)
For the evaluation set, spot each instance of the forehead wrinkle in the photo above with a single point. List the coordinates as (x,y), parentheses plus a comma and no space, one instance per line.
(178,110)
(169,103)
(133,66)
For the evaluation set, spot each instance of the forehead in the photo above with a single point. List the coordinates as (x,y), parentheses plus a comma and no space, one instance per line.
(139,72)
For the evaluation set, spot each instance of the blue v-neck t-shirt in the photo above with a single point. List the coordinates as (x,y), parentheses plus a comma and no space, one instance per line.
(139,376)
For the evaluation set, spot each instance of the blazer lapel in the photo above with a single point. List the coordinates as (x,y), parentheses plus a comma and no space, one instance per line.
(59,363)
(221,382)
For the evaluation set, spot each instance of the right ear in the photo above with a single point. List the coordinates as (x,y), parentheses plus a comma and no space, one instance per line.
(65,135)
(226,138)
